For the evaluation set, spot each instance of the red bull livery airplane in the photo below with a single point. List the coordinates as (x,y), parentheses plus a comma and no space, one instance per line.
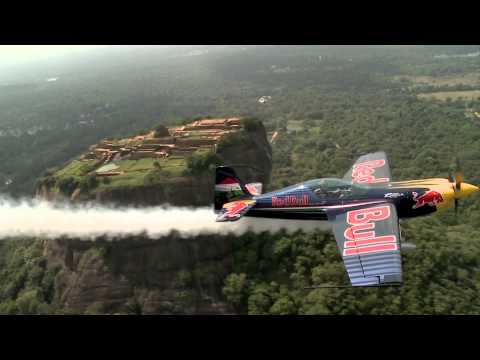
(364,208)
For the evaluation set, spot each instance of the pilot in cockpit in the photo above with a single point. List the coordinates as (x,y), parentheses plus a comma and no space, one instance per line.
(332,188)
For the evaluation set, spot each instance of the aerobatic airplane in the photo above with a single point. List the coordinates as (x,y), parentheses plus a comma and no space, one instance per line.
(364,208)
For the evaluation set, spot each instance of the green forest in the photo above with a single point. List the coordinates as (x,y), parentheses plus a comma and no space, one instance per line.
(329,105)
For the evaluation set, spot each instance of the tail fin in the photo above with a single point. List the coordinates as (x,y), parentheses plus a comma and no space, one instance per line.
(228,187)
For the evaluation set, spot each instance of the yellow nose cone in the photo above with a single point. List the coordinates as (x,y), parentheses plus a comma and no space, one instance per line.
(466,190)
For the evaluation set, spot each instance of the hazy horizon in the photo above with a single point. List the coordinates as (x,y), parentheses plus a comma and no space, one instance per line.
(12,55)
(21,54)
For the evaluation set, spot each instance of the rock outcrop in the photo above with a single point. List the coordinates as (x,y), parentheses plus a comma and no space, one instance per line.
(171,275)
(247,150)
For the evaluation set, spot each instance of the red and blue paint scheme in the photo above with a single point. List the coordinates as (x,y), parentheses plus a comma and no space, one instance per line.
(364,208)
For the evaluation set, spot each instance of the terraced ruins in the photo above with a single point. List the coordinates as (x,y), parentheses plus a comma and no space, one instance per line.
(170,157)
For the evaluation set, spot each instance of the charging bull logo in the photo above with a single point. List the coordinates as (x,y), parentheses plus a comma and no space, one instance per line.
(431,198)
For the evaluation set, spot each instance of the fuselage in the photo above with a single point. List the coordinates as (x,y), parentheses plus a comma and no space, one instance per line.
(312,200)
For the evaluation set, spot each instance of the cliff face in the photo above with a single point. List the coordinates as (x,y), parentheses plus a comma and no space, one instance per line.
(171,275)
(253,159)
(184,191)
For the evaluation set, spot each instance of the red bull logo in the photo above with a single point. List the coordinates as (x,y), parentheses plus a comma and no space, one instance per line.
(361,237)
(290,201)
(363,173)
(431,198)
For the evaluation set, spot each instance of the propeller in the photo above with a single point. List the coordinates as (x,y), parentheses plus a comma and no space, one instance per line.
(461,189)
(457,180)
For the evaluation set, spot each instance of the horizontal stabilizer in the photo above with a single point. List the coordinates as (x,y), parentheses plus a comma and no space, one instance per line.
(255,188)
(234,210)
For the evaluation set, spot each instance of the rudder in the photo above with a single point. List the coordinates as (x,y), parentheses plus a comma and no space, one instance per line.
(228,187)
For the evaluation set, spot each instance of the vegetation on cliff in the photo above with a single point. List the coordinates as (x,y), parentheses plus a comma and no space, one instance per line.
(26,284)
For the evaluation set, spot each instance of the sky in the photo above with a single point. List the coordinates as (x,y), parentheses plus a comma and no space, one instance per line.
(17,54)
(21,54)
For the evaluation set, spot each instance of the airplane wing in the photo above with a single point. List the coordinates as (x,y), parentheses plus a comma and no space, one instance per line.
(369,242)
(234,210)
(370,169)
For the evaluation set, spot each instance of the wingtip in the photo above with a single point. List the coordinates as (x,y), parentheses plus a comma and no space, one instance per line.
(225,217)
(220,218)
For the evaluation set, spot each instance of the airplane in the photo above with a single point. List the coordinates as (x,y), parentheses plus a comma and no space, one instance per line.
(364,209)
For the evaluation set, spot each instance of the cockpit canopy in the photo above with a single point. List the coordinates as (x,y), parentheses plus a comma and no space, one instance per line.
(325,188)
(328,183)
(333,187)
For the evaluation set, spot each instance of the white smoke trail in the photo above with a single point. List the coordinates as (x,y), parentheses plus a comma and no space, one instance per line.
(88,221)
